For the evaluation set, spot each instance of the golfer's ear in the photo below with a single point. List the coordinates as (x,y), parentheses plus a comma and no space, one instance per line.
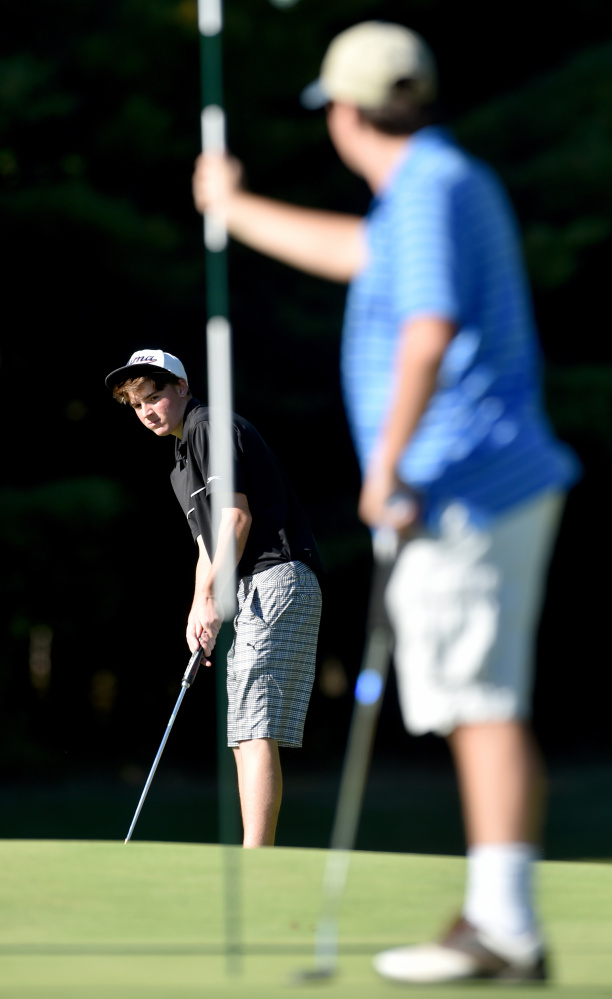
(183,387)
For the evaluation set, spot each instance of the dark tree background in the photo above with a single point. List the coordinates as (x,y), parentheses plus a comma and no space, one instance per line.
(99,127)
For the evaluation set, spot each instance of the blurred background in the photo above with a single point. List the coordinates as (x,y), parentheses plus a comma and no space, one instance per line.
(99,128)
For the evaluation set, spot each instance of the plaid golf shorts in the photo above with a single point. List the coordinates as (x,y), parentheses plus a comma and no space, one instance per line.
(271,664)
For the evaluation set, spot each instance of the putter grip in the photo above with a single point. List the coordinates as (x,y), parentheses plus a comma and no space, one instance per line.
(192,668)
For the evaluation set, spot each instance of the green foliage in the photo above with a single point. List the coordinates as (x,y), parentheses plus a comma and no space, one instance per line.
(554,254)
(53,539)
(99,126)
(81,504)
(27,93)
(88,127)
(552,142)
(57,578)
(580,404)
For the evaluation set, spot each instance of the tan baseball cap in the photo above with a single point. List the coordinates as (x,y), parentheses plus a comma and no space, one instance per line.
(363,63)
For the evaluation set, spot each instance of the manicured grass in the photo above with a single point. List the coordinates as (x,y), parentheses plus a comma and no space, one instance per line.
(97,920)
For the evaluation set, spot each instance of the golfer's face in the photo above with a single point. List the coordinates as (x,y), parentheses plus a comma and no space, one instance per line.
(160,410)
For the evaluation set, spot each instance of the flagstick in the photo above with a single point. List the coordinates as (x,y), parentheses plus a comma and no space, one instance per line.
(219,355)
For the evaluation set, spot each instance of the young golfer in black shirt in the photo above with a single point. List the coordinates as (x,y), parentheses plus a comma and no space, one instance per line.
(270,667)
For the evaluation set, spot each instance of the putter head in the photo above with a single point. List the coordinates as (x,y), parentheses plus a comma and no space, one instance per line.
(319,973)
(326,948)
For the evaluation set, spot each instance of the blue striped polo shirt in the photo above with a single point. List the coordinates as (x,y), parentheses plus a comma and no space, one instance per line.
(442,241)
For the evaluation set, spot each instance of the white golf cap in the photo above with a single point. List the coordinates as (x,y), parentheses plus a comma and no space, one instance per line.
(144,362)
(363,63)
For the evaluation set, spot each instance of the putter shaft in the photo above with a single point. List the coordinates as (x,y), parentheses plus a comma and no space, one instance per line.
(188,678)
(369,691)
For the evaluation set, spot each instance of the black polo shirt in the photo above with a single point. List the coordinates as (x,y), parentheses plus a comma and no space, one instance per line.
(279,530)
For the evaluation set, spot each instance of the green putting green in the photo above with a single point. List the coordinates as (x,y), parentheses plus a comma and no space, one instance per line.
(98,920)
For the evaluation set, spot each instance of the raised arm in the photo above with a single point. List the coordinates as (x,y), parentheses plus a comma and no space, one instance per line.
(205,618)
(327,244)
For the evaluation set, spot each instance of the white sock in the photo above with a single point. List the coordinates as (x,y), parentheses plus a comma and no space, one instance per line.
(499,891)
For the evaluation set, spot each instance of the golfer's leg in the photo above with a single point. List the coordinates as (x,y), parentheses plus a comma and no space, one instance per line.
(502,782)
(260,784)
(501,778)
(238,759)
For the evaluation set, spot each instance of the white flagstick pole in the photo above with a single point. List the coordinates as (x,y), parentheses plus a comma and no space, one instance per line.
(218,331)
(219,358)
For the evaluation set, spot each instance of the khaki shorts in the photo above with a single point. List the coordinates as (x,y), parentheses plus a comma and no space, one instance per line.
(465,608)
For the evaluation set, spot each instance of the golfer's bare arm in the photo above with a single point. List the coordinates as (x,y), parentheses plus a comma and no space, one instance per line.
(328,244)
(421,348)
(202,567)
(205,616)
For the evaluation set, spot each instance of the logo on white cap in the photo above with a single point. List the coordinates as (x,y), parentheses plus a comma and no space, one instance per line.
(148,357)
(160,359)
